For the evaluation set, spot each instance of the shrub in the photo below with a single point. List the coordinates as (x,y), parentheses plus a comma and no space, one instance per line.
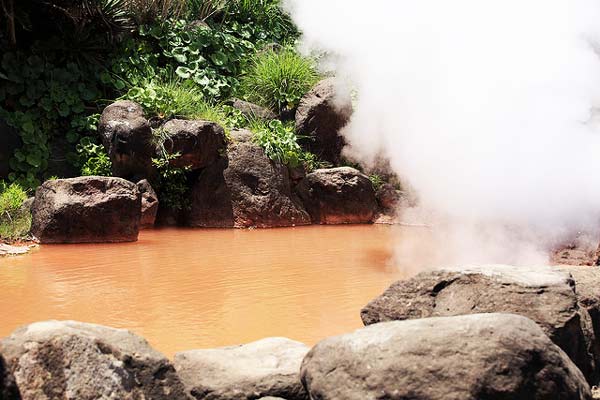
(172,186)
(14,220)
(93,158)
(281,144)
(279,79)
(377,181)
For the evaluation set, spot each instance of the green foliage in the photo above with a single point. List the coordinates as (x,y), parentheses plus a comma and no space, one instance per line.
(93,158)
(377,181)
(15,221)
(279,79)
(172,186)
(281,144)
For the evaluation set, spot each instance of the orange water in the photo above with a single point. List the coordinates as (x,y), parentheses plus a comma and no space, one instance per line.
(185,289)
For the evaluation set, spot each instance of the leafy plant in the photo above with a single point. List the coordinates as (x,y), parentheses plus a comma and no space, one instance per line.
(377,181)
(172,186)
(279,79)
(93,158)
(280,144)
(15,221)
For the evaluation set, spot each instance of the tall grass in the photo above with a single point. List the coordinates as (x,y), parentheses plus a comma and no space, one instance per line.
(279,79)
(15,221)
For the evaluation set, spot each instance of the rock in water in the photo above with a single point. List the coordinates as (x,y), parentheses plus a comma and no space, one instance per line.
(474,357)
(246,189)
(321,115)
(128,139)
(76,361)
(89,209)
(338,196)
(149,204)
(198,143)
(546,295)
(268,367)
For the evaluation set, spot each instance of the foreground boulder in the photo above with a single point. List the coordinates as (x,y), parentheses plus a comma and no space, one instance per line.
(76,361)
(338,196)
(128,139)
(89,209)
(320,116)
(149,204)
(245,189)
(474,357)
(545,295)
(198,143)
(268,367)
(8,387)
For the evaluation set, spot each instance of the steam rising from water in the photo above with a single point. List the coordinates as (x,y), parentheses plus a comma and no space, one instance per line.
(483,107)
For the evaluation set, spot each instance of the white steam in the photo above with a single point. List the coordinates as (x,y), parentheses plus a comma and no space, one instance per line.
(483,106)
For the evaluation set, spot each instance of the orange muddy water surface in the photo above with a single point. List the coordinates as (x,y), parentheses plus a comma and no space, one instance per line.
(184,289)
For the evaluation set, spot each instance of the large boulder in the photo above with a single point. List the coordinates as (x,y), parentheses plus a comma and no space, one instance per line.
(543,294)
(89,209)
(128,139)
(338,196)
(198,143)
(268,367)
(149,204)
(253,111)
(245,189)
(320,116)
(474,357)
(76,361)
(8,387)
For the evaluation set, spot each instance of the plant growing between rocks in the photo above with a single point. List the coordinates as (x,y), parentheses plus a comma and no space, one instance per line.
(15,220)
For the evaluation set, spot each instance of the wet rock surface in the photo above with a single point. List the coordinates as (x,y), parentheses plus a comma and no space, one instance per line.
(86,210)
(149,204)
(338,196)
(268,367)
(128,139)
(76,361)
(474,357)
(320,116)
(198,143)
(245,189)
(543,294)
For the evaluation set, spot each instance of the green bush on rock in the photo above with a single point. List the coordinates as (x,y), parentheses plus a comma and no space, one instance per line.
(15,220)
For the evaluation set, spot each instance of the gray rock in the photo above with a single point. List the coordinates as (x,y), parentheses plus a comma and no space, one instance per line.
(76,361)
(320,116)
(89,209)
(245,189)
(268,367)
(199,143)
(128,139)
(474,357)
(543,294)
(253,111)
(149,204)
(338,196)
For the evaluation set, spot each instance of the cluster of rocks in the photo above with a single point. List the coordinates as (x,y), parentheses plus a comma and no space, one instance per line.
(493,332)
(232,182)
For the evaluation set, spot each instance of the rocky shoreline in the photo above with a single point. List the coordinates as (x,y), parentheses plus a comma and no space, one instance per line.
(485,332)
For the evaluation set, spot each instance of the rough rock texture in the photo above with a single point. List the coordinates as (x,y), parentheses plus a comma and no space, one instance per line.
(199,143)
(9,143)
(8,387)
(388,197)
(149,204)
(582,250)
(128,139)
(75,361)
(89,209)
(544,294)
(268,367)
(338,196)
(321,114)
(253,111)
(474,357)
(245,189)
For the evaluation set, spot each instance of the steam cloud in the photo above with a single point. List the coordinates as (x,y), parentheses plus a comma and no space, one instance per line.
(484,106)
